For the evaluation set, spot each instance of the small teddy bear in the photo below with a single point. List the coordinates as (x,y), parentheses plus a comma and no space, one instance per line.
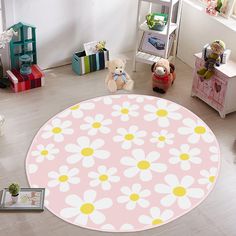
(117,78)
(217,49)
(163,75)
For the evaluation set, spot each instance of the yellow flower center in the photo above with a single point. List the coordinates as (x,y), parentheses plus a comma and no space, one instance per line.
(143,165)
(162,138)
(87,208)
(184,156)
(129,137)
(134,197)
(157,221)
(179,191)
(87,151)
(63,178)
(56,130)
(124,111)
(103,178)
(200,130)
(76,107)
(212,179)
(162,113)
(44,152)
(96,125)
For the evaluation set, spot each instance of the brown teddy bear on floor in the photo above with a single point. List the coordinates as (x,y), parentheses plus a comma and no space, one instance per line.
(163,75)
(117,78)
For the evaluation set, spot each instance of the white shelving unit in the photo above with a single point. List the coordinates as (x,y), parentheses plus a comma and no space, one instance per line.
(171,29)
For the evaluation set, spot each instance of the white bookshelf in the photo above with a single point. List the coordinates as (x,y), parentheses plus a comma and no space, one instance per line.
(171,29)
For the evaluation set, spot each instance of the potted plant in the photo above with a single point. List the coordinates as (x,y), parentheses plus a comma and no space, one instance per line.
(14,190)
(156,21)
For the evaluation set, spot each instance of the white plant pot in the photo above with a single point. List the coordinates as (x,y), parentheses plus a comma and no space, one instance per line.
(2,120)
(14,198)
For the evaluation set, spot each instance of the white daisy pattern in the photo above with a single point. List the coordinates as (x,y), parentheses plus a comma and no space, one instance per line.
(140,99)
(143,165)
(122,228)
(86,150)
(77,111)
(178,191)
(134,196)
(63,178)
(196,130)
(162,138)
(57,130)
(125,111)
(214,153)
(142,158)
(130,137)
(104,177)
(163,112)
(156,217)
(107,100)
(96,124)
(32,168)
(185,156)
(47,152)
(88,208)
(208,177)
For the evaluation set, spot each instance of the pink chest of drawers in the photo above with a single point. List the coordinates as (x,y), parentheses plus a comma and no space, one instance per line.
(220,91)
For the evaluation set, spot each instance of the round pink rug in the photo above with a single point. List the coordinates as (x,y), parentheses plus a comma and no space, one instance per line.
(123,162)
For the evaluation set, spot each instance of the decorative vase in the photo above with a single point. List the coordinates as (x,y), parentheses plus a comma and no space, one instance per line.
(14,198)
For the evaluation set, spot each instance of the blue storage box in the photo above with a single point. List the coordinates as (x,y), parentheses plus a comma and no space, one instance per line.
(82,64)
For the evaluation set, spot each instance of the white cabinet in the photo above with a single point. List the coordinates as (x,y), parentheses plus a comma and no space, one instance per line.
(168,36)
(219,91)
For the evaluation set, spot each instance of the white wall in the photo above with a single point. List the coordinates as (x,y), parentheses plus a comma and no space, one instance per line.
(64,25)
(197,29)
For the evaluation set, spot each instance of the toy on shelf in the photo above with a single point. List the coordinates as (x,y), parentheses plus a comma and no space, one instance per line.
(24,74)
(117,78)
(212,59)
(163,75)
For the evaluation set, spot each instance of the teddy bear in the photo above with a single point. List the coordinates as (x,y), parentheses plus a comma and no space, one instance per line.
(163,75)
(117,78)
(217,49)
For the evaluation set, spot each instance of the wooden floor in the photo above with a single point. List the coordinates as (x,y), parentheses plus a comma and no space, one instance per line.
(26,112)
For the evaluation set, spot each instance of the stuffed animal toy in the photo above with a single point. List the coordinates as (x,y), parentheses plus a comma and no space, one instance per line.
(217,49)
(117,78)
(163,75)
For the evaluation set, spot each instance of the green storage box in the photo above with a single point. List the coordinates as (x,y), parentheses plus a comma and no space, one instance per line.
(82,64)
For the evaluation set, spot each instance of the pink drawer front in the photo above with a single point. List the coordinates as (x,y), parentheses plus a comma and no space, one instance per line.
(219,88)
(213,89)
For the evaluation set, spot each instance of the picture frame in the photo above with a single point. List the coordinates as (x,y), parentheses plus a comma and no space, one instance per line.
(90,48)
(152,43)
(227,8)
(30,199)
